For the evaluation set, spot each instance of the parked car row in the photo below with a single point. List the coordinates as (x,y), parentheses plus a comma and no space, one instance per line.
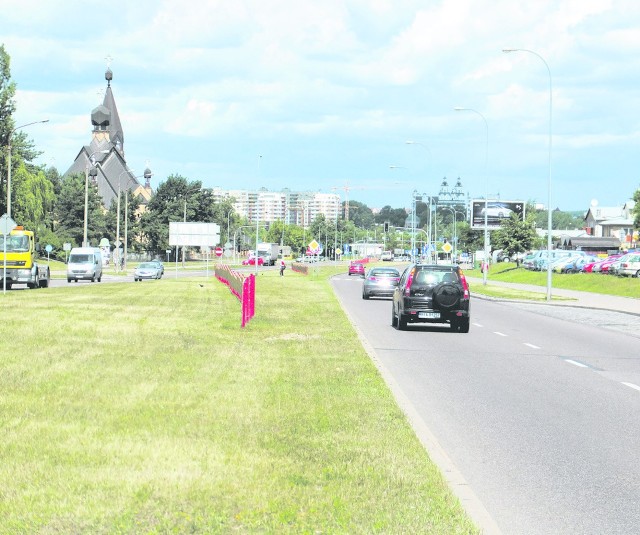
(572,264)
(538,260)
(622,264)
(627,264)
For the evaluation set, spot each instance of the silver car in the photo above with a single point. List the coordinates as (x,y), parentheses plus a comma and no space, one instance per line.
(147,270)
(629,266)
(380,282)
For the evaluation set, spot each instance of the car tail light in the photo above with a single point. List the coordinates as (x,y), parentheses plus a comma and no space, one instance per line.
(465,285)
(407,290)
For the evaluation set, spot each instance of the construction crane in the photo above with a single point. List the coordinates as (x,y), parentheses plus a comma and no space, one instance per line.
(346,188)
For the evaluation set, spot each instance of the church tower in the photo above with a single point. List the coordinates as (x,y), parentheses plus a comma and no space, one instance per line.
(104,158)
(107,128)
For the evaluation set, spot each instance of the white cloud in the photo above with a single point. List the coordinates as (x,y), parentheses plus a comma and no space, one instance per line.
(341,76)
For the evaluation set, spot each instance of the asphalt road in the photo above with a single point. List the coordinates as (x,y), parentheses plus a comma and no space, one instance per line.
(536,410)
(109,276)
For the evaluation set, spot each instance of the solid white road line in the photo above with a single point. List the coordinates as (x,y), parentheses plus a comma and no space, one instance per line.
(631,385)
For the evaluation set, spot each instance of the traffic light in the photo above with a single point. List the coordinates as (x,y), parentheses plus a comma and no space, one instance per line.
(386,226)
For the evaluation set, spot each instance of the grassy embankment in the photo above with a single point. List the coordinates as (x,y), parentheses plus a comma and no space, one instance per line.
(145,408)
(585,282)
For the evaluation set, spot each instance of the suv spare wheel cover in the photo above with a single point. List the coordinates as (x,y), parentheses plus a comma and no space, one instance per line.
(446,296)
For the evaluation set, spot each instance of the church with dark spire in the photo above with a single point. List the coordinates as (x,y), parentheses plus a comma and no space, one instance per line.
(104,158)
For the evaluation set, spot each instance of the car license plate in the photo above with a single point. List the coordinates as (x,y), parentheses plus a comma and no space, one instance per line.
(429,315)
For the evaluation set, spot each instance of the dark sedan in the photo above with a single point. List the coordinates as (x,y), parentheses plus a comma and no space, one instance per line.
(380,282)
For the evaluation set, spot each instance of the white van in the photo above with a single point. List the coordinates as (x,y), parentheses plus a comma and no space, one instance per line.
(85,263)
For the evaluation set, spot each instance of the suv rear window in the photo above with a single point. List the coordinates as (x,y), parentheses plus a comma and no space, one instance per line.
(431,276)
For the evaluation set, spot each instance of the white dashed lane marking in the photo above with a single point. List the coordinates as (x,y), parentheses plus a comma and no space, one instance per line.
(576,363)
(569,361)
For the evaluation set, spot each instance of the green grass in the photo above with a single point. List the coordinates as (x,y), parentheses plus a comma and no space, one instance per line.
(585,282)
(145,408)
(501,292)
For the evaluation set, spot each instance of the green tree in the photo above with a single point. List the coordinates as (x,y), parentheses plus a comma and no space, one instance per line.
(7,108)
(22,149)
(422,214)
(55,178)
(178,199)
(559,220)
(515,236)
(174,200)
(395,216)
(361,215)
(69,212)
(34,199)
(470,239)
(129,221)
(636,210)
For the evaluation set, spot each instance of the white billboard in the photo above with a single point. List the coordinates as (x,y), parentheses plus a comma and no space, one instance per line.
(496,212)
(194,234)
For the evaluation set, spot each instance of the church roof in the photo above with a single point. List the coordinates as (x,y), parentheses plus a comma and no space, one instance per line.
(116,135)
(106,153)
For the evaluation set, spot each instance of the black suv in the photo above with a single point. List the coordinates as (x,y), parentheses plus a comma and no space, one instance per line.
(432,293)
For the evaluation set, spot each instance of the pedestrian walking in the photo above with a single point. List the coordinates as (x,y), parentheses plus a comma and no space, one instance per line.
(283,266)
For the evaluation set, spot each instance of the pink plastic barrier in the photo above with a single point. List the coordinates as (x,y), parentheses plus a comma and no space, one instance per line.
(244,288)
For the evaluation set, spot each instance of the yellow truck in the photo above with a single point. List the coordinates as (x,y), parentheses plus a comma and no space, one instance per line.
(22,266)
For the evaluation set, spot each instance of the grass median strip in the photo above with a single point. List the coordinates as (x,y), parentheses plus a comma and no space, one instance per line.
(129,408)
(502,292)
(584,282)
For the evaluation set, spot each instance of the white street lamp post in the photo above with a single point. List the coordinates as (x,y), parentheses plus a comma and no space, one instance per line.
(118,261)
(413,227)
(255,260)
(147,175)
(486,192)
(549,218)
(85,243)
(455,221)
(414,198)
(86,204)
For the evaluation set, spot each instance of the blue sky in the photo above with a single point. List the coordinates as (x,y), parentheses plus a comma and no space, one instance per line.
(323,96)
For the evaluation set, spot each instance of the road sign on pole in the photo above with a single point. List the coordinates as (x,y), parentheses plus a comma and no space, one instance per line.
(219,252)
(6,224)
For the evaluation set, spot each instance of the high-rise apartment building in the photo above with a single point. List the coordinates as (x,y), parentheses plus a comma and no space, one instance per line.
(292,207)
